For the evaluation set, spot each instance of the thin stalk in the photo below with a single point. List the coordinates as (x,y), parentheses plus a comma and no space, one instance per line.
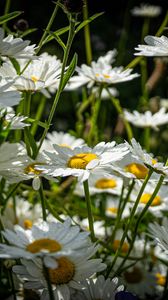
(6,10)
(89,210)
(42,199)
(129,223)
(147,139)
(49,285)
(119,215)
(88,47)
(162,26)
(38,114)
(142,214)
(116,104)
(11,192)
(59,91)
(12,284)
(145,28)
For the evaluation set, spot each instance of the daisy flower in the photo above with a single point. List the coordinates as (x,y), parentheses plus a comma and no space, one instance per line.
(112,206)
(46,240)
(11,120)
(100,72)
(69,271)
(39,74)
(146,10)
(8,97)
(15,47)
(60,138)
(82,161)
(160,234)
(99,288)
(159,204)
(156,46)
(147,119)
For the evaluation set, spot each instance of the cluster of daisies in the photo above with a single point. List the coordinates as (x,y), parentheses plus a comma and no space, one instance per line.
(85,240)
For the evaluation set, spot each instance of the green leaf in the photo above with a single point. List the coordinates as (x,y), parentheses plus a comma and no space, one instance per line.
(30,141)
(15,65)
(57,33)
(70,71)
(58,39)
(28,31)
(10,16)
(84,23)
(42,124)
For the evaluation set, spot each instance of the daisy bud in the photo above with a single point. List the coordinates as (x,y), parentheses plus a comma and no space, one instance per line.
(73,6)
(21,25)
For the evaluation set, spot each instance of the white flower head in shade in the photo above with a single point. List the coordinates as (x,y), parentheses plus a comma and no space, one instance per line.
(139,280)
(15,47)
(69,271)
(100,72)
(159,204)
(8,97)
(160,234)
(46,240)
(61,138)
(147,119)
(138,153)
(112,208)
(146,10)
(11,120)
(24,214)
(156,46)
(38,75)
(99,288)
(82,161)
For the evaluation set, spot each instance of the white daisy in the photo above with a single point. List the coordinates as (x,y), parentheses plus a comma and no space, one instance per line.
(160,234)
(82,161)
(24,214)
(60,138)
(8,97)
(99,288)
(15,47)
(11,120)
(99,228)
(112,206)
(139,281)
(146,10)
(39,74)
(156,46)
(99,184)
(159,204)
(69,271)
(147,119)
(46,240)
(100,72)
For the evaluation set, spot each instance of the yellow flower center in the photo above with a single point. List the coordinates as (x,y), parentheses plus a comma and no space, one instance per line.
(138,170)
(43,245)
(105,183)
(160,279)
(146,197)
(65,145)
(106,76)
(63,273)
(133,276)
(34,78)
(80,161)
(116,244)
(113,210)
(28,224)
(31,169)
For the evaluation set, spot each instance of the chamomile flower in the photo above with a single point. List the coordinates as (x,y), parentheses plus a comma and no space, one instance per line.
(99,288)
(156,46)
(146,10)
(60,138)
(112,208)
(100,72)
(8,97)
(15,47)
(147,119)
(12,120)
(24,214)
(160,234)
(159,204)
(46,240)
(68,273)
(82,161)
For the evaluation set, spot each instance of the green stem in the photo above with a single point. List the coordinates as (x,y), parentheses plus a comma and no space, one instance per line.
(147,139)
(6,10)
(12,284)
(129,223)
(59,91)
(89,210)
(11,192)
(116,104)
(49,285)
(145,28)
(163,25)
(88,47)
(119,215)
(142,214)
(42,199)
(38,114)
